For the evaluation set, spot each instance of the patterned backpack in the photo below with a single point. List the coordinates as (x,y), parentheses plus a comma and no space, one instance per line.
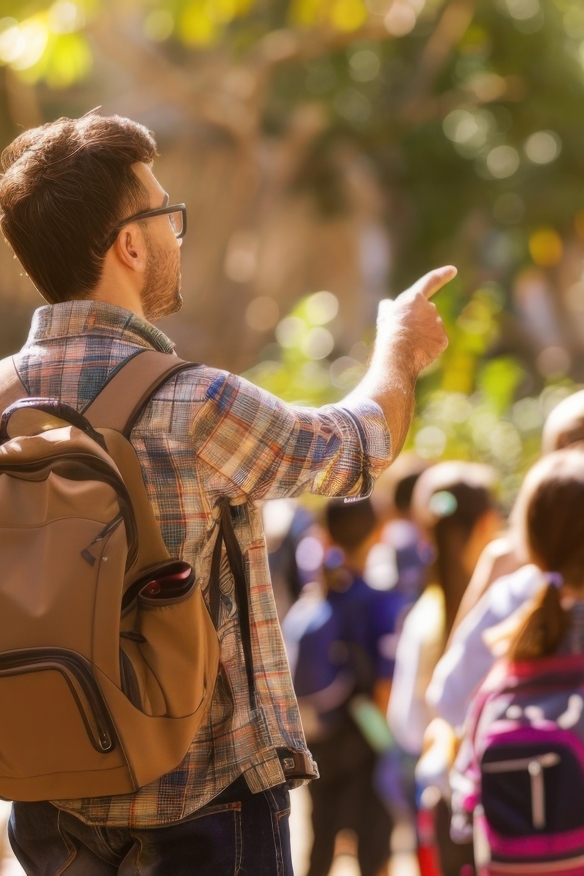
(520,770)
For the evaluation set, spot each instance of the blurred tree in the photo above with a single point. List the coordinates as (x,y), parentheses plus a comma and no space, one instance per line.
(348,145)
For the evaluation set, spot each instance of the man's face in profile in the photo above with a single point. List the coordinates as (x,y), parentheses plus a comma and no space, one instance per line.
(162,282)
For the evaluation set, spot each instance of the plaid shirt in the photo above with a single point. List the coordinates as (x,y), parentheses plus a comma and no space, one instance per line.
(208,434)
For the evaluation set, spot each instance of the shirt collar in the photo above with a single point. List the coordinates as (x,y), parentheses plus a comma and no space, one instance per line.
(69,319)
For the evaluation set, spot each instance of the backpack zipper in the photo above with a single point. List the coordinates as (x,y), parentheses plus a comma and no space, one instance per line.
(535,767)
(76,670)
(109,527)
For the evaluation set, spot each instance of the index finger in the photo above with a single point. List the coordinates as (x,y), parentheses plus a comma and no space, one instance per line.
(434,280)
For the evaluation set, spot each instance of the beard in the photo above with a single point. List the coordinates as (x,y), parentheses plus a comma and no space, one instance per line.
(161,293)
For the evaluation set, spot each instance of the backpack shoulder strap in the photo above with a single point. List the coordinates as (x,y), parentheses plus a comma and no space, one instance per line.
(130,386)
(11,386)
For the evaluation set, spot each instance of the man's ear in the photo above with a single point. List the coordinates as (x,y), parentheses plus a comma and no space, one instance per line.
(130,248)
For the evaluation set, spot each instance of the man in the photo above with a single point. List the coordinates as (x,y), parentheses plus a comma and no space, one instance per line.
(94,230)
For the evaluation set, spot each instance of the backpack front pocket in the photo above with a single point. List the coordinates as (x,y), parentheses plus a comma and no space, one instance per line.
(167,642)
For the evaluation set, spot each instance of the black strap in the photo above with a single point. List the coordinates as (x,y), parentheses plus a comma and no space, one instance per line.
(215,576)
(226,536)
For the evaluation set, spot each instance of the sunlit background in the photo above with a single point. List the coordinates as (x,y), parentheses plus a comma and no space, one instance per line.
(329,152)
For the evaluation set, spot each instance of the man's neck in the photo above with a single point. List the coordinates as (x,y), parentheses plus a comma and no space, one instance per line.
(116,287)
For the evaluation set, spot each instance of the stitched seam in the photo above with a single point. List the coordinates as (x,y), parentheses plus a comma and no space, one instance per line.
(238,841)
(137,865)
(276,836)
(207,810)
(68,845)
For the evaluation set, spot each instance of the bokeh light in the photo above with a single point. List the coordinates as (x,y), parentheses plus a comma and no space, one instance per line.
(65,17)
(527,415)
(401,18)
(543,147)
(322,307)
(262,313)
(317,343)
(430,442)
(469,130)
(503,161)
(523,10)
(353,106)
(364,65)
(546,247)
(11,40)
(346,372)
(505,443)
(290,331)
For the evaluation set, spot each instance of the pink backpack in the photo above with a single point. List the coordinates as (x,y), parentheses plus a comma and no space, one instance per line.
(520,769)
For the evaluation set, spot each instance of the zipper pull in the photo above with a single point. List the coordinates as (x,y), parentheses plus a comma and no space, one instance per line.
(109,527)
(535,770)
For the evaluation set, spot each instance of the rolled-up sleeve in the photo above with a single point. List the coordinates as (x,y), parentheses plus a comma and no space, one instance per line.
(269,449)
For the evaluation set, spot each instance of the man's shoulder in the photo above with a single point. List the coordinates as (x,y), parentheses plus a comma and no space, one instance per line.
(199,376)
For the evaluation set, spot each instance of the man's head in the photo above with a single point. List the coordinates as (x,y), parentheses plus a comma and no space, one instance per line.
(67,189)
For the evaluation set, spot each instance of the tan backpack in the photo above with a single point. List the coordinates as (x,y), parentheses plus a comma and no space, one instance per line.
(108,655)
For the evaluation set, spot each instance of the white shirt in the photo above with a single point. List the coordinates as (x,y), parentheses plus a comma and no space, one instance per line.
(418,651)
(468,659)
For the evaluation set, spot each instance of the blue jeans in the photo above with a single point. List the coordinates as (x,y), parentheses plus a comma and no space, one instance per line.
(237,833)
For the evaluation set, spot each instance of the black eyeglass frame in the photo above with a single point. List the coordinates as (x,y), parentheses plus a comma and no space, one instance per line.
(147,214)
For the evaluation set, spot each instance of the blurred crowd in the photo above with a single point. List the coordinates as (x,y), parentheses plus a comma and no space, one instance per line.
(437,651)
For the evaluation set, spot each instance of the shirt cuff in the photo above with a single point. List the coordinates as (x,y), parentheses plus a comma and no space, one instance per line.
(369,424)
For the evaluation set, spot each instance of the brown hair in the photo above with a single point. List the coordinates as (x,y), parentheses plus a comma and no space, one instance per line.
(449,499)
(550,513)
(350,523)
(64,188)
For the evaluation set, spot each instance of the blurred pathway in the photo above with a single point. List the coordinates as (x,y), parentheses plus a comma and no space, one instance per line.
(403,860)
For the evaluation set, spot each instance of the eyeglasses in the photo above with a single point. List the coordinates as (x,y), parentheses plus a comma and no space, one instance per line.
(177,216)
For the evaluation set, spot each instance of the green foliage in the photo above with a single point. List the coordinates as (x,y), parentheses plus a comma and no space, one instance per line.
(42,41)
(343,15)
(467,406)
(473,127)
(300,368)
(46,41)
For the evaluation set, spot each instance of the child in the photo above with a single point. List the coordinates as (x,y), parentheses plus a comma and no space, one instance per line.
(520,769)
(453,501)
(337,646)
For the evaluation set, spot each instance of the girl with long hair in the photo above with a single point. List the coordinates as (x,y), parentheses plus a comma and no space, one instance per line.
(520,768)
(454,504)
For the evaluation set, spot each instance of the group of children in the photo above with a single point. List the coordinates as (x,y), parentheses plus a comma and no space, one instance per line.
(472,646)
